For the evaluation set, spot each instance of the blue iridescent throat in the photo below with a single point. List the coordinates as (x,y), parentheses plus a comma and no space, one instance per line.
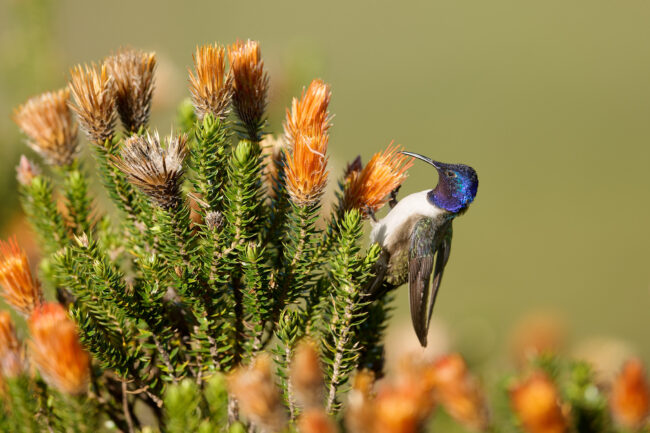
(456,191)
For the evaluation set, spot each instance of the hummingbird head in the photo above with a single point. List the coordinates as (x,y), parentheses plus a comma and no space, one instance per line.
(457,185)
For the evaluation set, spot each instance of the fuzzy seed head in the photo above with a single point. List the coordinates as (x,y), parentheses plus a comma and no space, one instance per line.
(459,392)
(369,188)
(250,85)
(536,402)
(306,375)
(21,289)
(156,170)
(630,398)
(133,74)
(309,114)
(211,87)
(26,171)
(47,122)
(258,396)
(56,351)
(94,101)
(11,353)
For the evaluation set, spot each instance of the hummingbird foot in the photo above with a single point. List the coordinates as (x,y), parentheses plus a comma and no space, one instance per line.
(371,213)
(393,197)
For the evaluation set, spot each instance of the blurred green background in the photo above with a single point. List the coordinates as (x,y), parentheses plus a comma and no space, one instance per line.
(549,101)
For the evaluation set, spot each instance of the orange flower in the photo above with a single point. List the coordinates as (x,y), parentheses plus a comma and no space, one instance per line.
(94,97)
(250,85)
(309,115)
(306,375)
(258,396)
(11,358)
(211,88)
(306,130)
(316,421)
(630,398)
(537,405)
(368,189)
(47,121)
(21,289)
(56,351)
(459,392)
(133,75)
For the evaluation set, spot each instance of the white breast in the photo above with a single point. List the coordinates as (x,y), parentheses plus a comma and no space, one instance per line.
(413,204)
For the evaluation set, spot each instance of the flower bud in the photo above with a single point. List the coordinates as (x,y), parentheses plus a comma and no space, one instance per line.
(537,405)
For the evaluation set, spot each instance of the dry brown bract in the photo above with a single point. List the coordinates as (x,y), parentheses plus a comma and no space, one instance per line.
(211,88)
(94,102)
(368,189)
(133,74)
(47,122)
(11,353)
(250,85)
(56,351)
(258,396)
(157,171)
(21,289)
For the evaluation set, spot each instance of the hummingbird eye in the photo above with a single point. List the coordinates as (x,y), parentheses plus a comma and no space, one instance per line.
(450,174)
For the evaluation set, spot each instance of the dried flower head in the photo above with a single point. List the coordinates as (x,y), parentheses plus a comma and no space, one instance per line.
(316,421)
(368,189)
(133,75)
(11,353)
(272,151)
(94,101)
(56,351)
(47,121)
(211,87)
(250,85)
(157,171)
(630,398)
(21,289)
(537,404)
(459,392)
(309,114)
(258,396)
(306,375)
(26,171)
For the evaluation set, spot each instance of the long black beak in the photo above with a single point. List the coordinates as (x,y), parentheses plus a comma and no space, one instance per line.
(436,164)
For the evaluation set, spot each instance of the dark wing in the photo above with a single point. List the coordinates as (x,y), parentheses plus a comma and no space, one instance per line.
(429,252)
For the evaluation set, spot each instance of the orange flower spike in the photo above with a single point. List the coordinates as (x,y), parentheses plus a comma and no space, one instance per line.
(537,405)
(21,289)
(306,169)
(309,115)
(250,85)
(369,188)
(211,87)
(459,392)
(630,397)
(11,359)
(56,350)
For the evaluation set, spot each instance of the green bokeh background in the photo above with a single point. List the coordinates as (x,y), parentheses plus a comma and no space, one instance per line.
(549,101)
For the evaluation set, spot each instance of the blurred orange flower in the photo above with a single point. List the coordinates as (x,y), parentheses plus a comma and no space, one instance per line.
(537,405)
(368,189)
(21,289)
(630,398)
(458,391)
(306,375)
(11,353)
(56,351)
(316,421)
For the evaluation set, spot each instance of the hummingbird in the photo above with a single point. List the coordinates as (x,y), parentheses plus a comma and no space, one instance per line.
(415,237)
